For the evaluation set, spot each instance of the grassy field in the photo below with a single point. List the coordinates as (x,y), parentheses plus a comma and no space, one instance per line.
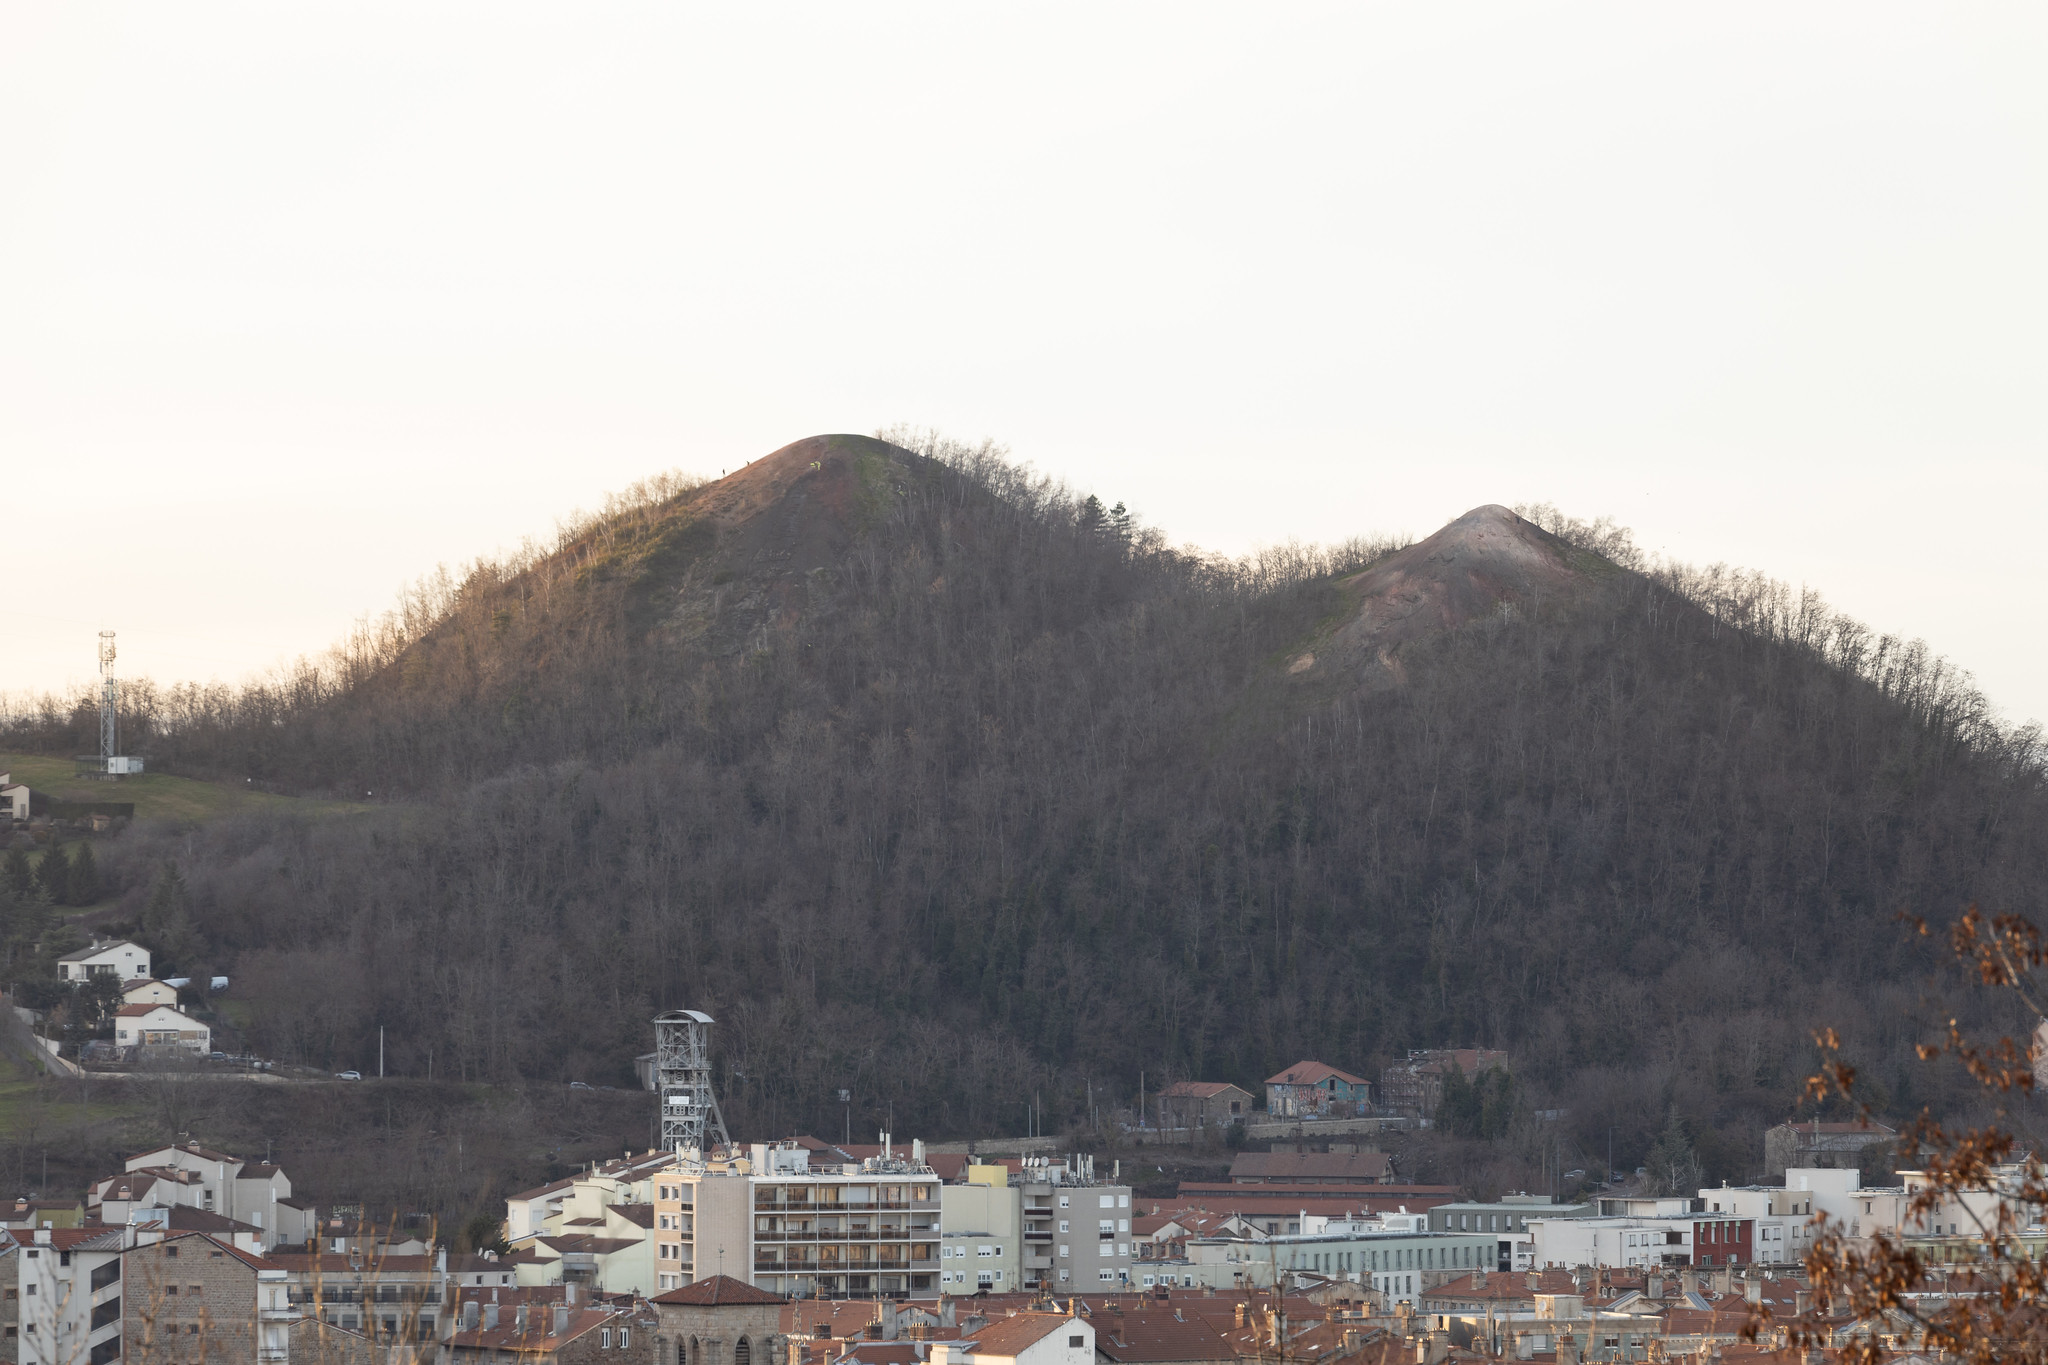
(157,796)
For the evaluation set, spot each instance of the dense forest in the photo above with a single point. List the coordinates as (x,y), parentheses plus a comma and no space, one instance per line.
(935,782)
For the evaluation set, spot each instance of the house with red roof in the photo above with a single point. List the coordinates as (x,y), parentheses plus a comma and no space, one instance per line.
(1316,1090)
(1026,1338)
(146,1025)
(1204,1104)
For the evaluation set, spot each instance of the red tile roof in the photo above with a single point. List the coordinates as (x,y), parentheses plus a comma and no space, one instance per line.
(1200,1090)
(714,1290)
(1273,1167)
(1012,1336)
(1312,1073)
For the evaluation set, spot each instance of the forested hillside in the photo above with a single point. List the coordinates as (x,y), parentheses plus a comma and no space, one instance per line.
(930,781)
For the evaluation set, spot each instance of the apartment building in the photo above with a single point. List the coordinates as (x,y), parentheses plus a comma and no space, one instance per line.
(981,1243)
(68,1295)
(387,1297)
(1077,1228)
(1677,1238)
(194,1298)
(1508,1219)
(838,1230)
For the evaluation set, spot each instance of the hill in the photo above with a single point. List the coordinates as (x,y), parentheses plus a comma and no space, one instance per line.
(937,784)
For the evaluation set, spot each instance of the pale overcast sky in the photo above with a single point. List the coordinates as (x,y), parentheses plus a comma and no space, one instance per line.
(299,300)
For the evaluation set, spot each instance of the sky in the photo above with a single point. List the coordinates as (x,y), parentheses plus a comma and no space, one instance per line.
(299,301)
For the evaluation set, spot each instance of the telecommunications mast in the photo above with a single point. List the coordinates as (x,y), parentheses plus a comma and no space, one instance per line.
(682,1082)
(110,701)
(107,763)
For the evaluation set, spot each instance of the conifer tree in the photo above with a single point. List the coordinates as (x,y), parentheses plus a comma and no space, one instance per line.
(85,885)
(53,875)
(166,908)
(19,874)
(1673,1165)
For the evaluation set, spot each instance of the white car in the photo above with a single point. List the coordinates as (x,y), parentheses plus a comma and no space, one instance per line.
(348,1075)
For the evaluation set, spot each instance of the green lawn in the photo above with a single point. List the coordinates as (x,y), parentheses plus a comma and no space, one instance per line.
(157,796)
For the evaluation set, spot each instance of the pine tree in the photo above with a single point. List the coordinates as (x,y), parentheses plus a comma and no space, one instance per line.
(1091,513)
(53,875)
(19,873)
(85,877)
(166,908)
(1497,1105)
(1673,1165)
(1460,1110)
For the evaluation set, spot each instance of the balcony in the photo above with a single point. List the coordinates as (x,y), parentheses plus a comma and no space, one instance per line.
(1038,1234)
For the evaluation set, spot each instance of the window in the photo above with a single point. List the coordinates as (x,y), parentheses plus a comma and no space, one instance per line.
(1104,1275)
(1123,1225)
(604,1339)
(1108,1201)
(742,1351)
(1066,1202)
(1063,1277)
(1063,1225)
(1063,1249)
(984,1251)
(1075,1343)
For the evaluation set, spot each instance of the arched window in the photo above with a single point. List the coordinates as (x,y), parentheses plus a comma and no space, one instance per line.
(742,1353)
(696,1353)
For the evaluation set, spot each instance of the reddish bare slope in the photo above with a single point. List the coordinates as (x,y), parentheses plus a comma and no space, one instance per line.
(1470,569)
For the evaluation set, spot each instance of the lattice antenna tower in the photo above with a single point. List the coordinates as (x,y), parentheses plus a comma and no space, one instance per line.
(110,702)
(682,1082)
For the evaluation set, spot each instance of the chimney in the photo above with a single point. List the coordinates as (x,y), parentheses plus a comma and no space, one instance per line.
(490,1317)
(1240,1316)
(519,1319)
(1802,1301)
(561,1318)
(1753,1290)
(1479,1279)
(569,1293)
(469,1312)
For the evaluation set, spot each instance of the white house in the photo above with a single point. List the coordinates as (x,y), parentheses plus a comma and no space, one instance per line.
(191,1176)
(147,990)
(119,958)
(1023,1339)
(160,1026)
(13,799)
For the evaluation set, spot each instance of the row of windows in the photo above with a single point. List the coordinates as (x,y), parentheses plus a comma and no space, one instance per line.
(1122,1248)
(947,1253)
(1107,1201)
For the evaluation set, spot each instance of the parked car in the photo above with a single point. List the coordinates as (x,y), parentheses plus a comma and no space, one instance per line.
(578,1085)
(348,1075)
